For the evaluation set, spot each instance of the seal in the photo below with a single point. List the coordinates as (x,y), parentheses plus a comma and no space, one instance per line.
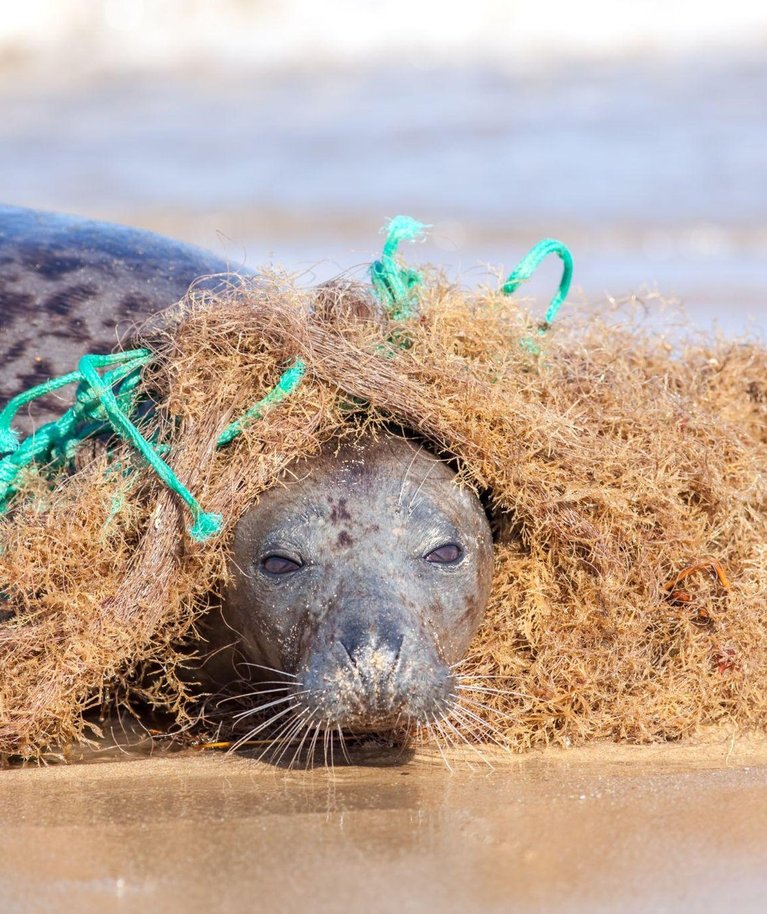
(358,583)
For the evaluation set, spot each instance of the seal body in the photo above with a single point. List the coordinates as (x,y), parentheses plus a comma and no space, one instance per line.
(70,285)
(359,582)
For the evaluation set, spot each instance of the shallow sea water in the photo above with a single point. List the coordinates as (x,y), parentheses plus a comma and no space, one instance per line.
(653,171)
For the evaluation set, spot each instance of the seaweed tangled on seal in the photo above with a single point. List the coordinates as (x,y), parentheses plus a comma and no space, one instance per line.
(620,475)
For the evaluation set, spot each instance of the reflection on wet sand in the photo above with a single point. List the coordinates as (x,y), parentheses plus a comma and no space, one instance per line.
(602,829)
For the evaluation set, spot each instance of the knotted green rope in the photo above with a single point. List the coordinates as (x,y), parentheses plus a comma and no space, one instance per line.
(396,285)
(205,525)
(9,440)
(525,269)
(53,443)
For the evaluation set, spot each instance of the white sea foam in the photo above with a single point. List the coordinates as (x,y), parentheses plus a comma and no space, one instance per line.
(107,34)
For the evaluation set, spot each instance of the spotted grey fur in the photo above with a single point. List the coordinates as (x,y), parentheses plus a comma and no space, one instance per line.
(70,285)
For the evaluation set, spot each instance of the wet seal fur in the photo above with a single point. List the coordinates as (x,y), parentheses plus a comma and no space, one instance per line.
(362,581)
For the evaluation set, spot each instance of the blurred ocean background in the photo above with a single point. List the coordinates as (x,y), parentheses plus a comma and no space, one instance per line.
(287,131)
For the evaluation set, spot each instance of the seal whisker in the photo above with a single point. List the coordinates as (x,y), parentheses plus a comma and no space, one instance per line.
(473,676)
(276,742)
(471,688)
(412,725)
(269,741)
(407,473)
(472,721)
(462,737)
(404,741)
(342,740)
(277,701)
(313,749)
(325,740)
(287,740)
(476,738)
(296,757)
(485,732)
(411,506)
(476,729)
(307,725)
(303,726)
(473,700)
(456,705)
(438,744)
(270,669)
(449,740)
(254,732)
(501,715)
(243,695)
(262,682)
(251,733)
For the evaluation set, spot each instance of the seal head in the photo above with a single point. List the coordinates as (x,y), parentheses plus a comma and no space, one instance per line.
(364,579)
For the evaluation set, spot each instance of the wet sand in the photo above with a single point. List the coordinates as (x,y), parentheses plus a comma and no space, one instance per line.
(652,829)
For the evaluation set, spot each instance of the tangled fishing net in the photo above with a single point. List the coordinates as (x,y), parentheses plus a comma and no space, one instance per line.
(625,478)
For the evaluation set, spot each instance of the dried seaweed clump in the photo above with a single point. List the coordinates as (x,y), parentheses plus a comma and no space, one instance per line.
(621,473)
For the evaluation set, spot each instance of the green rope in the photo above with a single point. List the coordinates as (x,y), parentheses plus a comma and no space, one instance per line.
(285,386)
(205,525)
(396,285)
(525,269)
(9,440)
(105,403)
(51,443)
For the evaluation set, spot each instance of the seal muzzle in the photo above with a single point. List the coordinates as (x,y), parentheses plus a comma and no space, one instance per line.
(370,669)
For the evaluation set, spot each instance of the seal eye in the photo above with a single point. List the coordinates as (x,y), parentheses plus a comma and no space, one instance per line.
(279,564)
(445,555)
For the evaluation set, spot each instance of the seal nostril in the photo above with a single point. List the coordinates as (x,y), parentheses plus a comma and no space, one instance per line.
(360,646)
(398,650)
(352,648)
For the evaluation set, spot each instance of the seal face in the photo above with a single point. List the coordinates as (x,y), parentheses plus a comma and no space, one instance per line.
(363,579)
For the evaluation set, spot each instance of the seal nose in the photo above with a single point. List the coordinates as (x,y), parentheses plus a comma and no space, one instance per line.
(360,645)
